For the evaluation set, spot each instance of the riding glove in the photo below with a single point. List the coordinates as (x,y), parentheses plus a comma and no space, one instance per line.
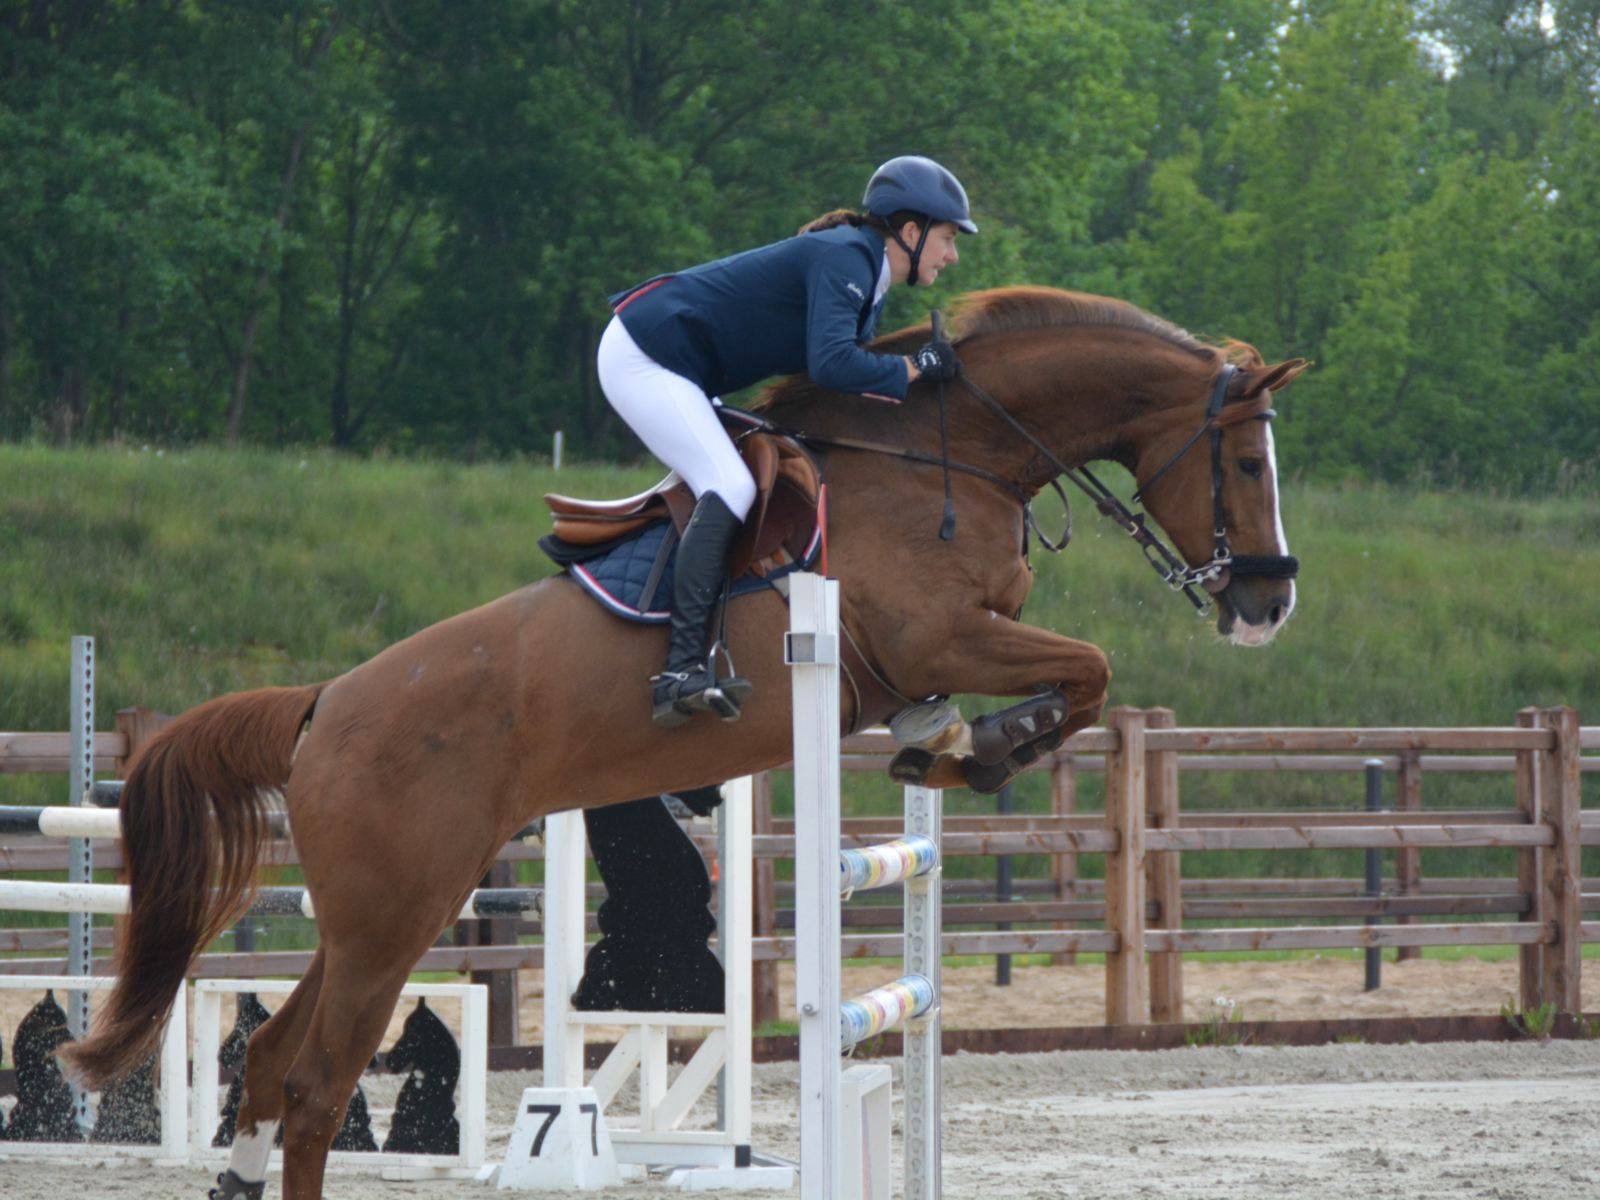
(937,360)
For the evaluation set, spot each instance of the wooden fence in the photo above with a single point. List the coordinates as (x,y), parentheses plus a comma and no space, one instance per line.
(1136,914)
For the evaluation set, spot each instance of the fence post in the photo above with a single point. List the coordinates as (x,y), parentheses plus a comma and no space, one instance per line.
(1408,861)
(764,1009)
(1560,878)
(137,726)
(1064,866)
(1125,808)
(1530,958)
(502,984)
(1164,875)
(1002,889)
(1374,864)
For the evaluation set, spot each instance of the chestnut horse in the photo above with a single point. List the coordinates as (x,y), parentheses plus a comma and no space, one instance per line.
(404,777)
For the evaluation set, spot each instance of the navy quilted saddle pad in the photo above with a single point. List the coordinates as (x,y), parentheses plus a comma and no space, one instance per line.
(632,577)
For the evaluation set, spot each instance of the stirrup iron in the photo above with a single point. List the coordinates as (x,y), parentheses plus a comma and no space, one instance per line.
(725,696)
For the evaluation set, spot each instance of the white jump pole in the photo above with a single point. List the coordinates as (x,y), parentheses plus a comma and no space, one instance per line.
(111,899)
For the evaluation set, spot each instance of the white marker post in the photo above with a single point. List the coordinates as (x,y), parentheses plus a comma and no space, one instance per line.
(812,651)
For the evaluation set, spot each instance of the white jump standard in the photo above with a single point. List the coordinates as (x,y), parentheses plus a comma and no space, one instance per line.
(844,1115)
(699,1159)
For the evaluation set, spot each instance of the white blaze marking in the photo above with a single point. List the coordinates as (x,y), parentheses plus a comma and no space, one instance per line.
(1243,633)
(1277,515)
(1257,635)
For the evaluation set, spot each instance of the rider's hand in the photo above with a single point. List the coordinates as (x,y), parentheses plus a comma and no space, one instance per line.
(936,360)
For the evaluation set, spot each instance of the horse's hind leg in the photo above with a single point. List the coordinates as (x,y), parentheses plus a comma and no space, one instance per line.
(272,1048)
(352,1012)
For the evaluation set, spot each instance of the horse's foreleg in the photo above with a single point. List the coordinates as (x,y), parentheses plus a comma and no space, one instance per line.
(993,655)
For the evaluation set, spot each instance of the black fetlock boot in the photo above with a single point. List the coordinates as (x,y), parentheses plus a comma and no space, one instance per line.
(989,778)
(689,684)
(999,734)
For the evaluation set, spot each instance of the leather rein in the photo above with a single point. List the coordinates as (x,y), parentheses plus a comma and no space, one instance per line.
(1211,576)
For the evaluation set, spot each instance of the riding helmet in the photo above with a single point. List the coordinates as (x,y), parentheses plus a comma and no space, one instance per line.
(916,184)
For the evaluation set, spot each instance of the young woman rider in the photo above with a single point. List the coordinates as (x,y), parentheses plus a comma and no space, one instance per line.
(802,304)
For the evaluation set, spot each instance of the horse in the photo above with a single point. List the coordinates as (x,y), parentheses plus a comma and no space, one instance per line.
(405,776)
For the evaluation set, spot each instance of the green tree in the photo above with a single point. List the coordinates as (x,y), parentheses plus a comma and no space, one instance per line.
(1508,63)
(109,220)
(1562,272)
(1427,370)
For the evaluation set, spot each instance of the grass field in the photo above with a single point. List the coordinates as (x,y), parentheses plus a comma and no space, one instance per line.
(204,571)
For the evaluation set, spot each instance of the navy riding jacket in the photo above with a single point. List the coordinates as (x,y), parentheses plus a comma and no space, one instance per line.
(802,304)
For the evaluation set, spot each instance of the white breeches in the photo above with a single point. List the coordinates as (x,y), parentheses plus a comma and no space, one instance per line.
(674,419)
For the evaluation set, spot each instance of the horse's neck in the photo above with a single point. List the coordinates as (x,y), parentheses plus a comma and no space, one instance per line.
(1085,394)
(1074,394)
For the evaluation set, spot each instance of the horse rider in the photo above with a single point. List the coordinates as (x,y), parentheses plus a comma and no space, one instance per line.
(803,304)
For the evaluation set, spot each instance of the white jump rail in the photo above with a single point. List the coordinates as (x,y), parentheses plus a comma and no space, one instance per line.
(836,1162)
(111,899)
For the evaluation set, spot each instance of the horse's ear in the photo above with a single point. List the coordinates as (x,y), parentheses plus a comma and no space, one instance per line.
(1255,380)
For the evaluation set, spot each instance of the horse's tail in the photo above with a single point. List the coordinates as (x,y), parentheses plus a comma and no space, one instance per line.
(193,821)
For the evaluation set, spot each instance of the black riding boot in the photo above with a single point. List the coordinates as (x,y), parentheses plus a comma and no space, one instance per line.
(688,684)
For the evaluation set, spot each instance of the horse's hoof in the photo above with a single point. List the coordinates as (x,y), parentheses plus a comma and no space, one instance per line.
(934,725)
(231,1187)
(911,766)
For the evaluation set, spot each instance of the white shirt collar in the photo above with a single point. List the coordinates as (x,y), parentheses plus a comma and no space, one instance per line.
(882,289)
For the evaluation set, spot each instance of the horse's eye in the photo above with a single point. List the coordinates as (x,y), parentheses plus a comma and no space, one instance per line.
(1251,467)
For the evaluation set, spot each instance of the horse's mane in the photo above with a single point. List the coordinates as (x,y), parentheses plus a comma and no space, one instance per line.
(1005,310)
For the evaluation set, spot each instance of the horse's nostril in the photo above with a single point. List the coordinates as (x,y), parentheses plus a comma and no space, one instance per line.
(1275,614)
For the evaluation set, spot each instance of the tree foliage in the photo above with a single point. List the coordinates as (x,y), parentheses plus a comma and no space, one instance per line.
(392,224)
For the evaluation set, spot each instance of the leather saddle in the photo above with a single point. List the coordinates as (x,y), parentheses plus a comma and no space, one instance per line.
(780,527)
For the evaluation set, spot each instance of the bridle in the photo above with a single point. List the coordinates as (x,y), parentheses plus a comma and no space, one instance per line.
(1224,565)
(1212,576)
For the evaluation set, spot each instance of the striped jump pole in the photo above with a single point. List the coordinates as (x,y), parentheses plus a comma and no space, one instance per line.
(843,1147)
